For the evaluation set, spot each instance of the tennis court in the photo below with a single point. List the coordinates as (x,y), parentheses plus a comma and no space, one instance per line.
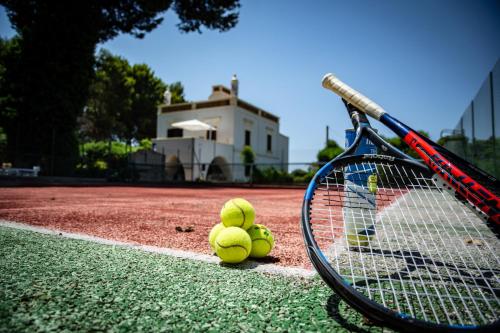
(53,282)
(177,218)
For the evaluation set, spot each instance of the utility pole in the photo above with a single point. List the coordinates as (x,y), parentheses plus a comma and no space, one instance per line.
(327,136)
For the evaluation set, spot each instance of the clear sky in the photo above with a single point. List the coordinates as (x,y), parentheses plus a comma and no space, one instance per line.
(423,61)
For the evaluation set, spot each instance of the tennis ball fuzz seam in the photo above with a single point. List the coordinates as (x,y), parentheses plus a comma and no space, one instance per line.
(212,236)
(241,210)
(231,246)
(263,239)
(237,212)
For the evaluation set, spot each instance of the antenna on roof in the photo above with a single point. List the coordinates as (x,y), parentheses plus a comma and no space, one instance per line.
(234,85)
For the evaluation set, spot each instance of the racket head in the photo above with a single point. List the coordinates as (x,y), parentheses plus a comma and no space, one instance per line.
(430,263)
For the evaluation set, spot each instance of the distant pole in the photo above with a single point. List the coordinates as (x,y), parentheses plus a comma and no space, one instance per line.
(327,136)
(52,150)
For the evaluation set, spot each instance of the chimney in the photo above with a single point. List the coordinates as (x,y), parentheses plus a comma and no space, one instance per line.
(167,97)
(234,85)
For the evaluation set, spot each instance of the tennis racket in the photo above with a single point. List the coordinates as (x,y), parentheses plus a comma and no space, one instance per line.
(476,193)
(397,240)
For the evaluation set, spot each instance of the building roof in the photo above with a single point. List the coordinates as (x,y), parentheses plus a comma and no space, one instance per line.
(221,96)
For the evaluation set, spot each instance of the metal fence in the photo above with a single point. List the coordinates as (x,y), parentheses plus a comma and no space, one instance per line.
(160,170)
(476,137)
(259,173)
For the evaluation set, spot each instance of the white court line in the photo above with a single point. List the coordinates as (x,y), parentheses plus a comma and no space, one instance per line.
(248,264)
(395,205)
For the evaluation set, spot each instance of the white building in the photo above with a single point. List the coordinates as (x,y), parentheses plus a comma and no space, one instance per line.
(204,139)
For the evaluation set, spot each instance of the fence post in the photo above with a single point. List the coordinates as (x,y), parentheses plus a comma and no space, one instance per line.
(251,174)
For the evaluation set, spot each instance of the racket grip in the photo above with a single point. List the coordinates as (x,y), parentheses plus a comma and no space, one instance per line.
(352,96)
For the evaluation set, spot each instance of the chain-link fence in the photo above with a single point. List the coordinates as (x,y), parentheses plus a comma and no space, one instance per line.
(476,137)
(258,173)
(158,169)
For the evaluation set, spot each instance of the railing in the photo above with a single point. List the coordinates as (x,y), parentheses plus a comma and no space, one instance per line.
(259,173)
(476,137)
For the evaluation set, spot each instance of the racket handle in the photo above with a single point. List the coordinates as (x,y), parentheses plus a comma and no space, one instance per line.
(352,96)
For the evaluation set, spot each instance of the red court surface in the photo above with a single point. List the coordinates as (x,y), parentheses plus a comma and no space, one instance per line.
(151,215)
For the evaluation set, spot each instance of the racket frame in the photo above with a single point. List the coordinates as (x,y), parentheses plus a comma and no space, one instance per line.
(479,195)
(367,307)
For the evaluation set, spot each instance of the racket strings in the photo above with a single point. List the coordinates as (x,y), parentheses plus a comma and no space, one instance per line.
(440,282)
(407,244)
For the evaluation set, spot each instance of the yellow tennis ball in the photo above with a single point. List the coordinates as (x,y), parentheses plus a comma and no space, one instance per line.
(237,213)
(262,240)
(372,183)
(214,233)
(358,240)
(233,245)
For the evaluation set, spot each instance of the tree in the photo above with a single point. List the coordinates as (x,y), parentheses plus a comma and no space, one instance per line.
(123,101)
(248,158)
(146,96)
(401,145)
(109,100)
(177,91)
(52,74)
(9,53)
(328,153)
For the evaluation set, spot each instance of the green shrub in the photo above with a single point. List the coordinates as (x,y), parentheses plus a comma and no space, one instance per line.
(301,176)
(271,175)
(103,159)
(328,153)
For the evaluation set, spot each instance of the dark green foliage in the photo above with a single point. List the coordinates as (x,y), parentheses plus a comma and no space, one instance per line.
(53,67)
(3,146)
(247,155)
(147,94)
(214,14)
(302,176)
(401,145)
(271,175)
(9,55)
(109,100)
(50,82)
(328,153)
(177,91)
(107,159)
(98,158)
(483,153)
(146,144)
(9,52)
(123,101)
(248,158)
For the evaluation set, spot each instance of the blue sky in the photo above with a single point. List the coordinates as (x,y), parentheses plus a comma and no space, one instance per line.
(423,61)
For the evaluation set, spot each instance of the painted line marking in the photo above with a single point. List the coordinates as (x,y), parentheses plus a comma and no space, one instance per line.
(212,259)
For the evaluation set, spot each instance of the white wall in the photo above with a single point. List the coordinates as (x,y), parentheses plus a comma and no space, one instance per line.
(259,128)
(223,116)
(231,122)
(284,146)
(182,148)
(204,153)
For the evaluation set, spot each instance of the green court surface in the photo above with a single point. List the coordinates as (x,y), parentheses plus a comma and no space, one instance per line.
(50,283)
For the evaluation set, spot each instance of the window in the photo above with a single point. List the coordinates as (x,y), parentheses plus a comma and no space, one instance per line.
(212,135)
(247,138)
(269,142)
(174,133)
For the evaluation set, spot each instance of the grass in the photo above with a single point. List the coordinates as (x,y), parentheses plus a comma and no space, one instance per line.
(50,283)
